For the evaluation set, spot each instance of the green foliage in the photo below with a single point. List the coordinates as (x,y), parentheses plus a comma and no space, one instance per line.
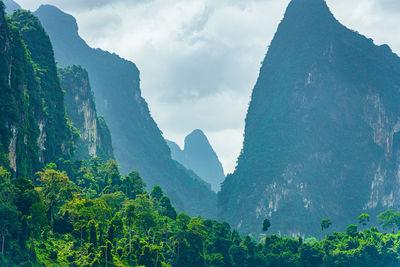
(325,224)
(389,220)
(352,230)
(66,224)
(156,193)
(364,219)
(49,107)
(266,225)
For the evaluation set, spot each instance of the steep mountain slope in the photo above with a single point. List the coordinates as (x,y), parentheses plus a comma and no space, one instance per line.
(55,137)
(138,143)
(322,129)
(199,156)
(33,126)
(95,137)
(11,6)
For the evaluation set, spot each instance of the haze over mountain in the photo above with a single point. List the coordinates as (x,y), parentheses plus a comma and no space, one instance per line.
(11,6)
(199,156)
(322,129)
(137,141)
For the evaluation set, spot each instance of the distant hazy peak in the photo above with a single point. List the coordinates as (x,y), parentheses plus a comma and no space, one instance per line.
(197,136)
(11,6)
(199,156)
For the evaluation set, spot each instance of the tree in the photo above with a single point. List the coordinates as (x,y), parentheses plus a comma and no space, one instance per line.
(113,175)
(363,219)
(56,189)
(266,225)
(92,232)
(130,216)
(156,193)
(146,220)
(389,220)
(4,175)
(37,219)
(115,228)
(8,222)
(352,230)
(325,224)
(133,185)
(166,208)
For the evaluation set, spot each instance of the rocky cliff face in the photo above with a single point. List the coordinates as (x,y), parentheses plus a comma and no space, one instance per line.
(322,129)
(199,156)
(28,139)
(55,137)
(95,137)
(138,142)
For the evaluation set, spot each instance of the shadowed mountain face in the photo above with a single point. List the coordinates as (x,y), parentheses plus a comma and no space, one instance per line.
(322,130)
(199,156)
(138,142)
(11,6)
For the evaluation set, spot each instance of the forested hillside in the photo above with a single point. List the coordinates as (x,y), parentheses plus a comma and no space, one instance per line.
(322,129)
(99,218)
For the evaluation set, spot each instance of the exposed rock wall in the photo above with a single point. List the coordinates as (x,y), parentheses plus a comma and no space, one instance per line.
(95,138)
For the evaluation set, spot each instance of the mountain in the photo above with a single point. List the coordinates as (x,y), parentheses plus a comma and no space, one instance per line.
(322,130)
(11,6)
(55,131)
(137,140)
(34,129)
(199,156)
(95,137)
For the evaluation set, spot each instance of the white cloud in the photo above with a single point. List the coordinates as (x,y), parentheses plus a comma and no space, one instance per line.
(199,60)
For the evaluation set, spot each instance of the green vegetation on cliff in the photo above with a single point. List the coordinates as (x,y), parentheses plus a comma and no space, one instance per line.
(33,126)
(56,132)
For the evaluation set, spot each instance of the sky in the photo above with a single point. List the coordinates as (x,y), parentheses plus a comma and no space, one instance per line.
(200,59)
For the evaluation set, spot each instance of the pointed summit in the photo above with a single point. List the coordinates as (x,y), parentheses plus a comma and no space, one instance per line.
(308,11)
(199,156)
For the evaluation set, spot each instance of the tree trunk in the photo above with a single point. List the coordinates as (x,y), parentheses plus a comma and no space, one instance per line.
(157,259)
(106,254)
(31,245)
(3,236)
(81,244)
(130,240)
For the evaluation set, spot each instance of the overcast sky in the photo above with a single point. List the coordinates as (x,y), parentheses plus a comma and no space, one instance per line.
(199,59)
